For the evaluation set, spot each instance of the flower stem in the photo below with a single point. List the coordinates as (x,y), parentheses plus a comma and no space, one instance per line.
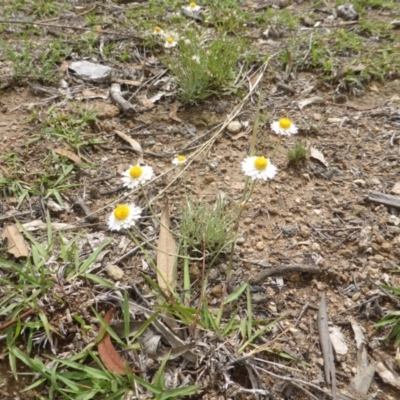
(246,197)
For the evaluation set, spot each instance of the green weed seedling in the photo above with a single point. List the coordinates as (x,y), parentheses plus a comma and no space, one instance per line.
(297,155)
(392,320)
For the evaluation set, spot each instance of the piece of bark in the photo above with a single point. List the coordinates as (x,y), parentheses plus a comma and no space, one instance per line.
(259,278)
(116,96)
(326,346)
(386,199)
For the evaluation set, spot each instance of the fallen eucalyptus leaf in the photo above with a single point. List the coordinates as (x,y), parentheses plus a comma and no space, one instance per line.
(15,241)
(311,100)
(134,144)
(111,359)
(166,255)
(317,155)
(69,154)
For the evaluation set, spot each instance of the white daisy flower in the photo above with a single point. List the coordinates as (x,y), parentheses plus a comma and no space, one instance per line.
(192,7)
(258,168)
(137,175)
(179,160)
(158,31)
(284,127)
(123,217)
(170,42)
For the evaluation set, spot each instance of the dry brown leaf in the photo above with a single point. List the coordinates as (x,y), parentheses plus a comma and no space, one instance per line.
(317,155)
(254,80)
(311,100)
(166,254)
(69,154)
(111,359)
(15,241)
(173,111)
(134,144)
(241,134)
(37,224)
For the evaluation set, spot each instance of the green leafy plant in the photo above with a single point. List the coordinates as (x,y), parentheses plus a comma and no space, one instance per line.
(206,226)
(203,68)
(297,155)
(392,320)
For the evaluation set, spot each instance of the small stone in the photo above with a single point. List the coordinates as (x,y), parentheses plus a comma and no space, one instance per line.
(356,296)
(234,127)
(379,239)
(260,246)
(217,291)
(194,272)
(248,221)
(393,220)
(114,272)
(315,247)
(386,246)
(213,274)
(208,179)
(360,182)
(358,210)
(240,241)
(305,233)
(396,188)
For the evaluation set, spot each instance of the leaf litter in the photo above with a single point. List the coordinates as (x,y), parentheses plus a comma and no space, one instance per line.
(310,227)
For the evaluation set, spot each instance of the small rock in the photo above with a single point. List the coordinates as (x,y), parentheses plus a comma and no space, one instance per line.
(356,296)
(260,246)
(114,272)
(240,241)
(396,188)
(358,210)
(338,340)
(393,220)
(315,247)
(360,182)
(248,221)
(289,230)
(213,274)
(234,127)
(208,179)
(386,246)
(347,12)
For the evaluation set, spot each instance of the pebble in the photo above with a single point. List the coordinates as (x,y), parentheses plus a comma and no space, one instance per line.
(234,127)
(360,182)
(260,246)
(315,247)
(114,272)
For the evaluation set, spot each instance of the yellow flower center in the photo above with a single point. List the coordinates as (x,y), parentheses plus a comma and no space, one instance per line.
(170,40)
(157,29)
(136,172)
(192,4)
(181,158)
(261,163)
(121,212)
(285,123)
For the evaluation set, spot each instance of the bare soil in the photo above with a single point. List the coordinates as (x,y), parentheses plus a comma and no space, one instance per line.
(313,215)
